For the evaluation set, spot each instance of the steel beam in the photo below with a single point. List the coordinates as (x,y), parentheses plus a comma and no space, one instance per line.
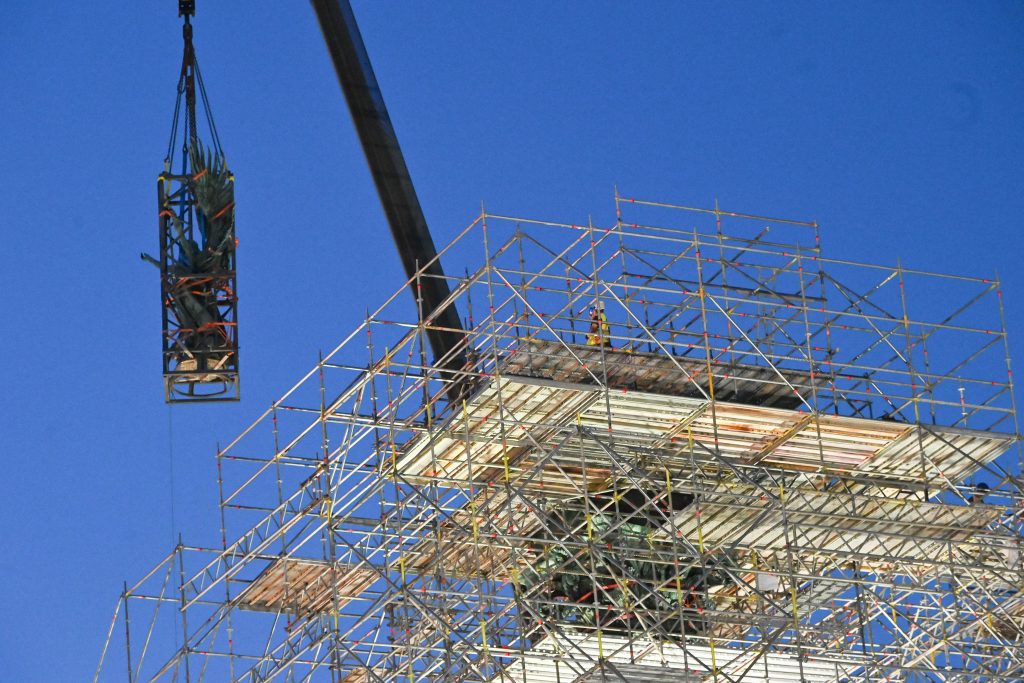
(391,176)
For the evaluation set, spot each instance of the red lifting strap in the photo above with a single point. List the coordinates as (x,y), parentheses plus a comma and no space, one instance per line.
(224,210)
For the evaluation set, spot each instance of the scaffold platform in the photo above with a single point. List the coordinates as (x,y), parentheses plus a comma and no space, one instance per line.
(509,418)
(305,588)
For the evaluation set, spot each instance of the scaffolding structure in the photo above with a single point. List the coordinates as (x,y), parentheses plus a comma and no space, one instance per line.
(770,466)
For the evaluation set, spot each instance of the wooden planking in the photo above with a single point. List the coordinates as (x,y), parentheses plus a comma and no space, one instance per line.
(305,587)
(361,674)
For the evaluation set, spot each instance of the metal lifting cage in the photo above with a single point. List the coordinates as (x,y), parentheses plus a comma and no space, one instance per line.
(198,281)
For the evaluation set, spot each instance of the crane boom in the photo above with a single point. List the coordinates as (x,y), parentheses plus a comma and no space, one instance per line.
(391,176)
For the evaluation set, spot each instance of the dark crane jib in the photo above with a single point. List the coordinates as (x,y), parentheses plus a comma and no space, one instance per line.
(391,176)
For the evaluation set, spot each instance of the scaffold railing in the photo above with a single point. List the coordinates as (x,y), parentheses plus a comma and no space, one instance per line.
(686,444)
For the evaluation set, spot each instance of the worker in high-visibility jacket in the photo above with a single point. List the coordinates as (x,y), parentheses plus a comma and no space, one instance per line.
(600,333)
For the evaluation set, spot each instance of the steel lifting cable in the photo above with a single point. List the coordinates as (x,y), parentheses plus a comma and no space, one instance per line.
(174,124)
(189,59)
(176,119)
(206,107)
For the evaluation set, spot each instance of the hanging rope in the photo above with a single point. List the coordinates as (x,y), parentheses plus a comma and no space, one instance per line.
(170,468)
(207,110)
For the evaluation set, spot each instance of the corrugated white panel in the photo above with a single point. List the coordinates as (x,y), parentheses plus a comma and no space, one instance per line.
(938,453)
(571,657)
(818,522)
(609,672)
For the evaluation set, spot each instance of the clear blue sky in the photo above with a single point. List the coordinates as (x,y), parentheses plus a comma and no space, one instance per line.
(896,125)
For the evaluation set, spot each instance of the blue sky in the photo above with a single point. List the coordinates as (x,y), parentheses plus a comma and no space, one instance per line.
(895,125)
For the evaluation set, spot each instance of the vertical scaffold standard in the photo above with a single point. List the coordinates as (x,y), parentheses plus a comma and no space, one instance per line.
(683,446)
(198,281)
